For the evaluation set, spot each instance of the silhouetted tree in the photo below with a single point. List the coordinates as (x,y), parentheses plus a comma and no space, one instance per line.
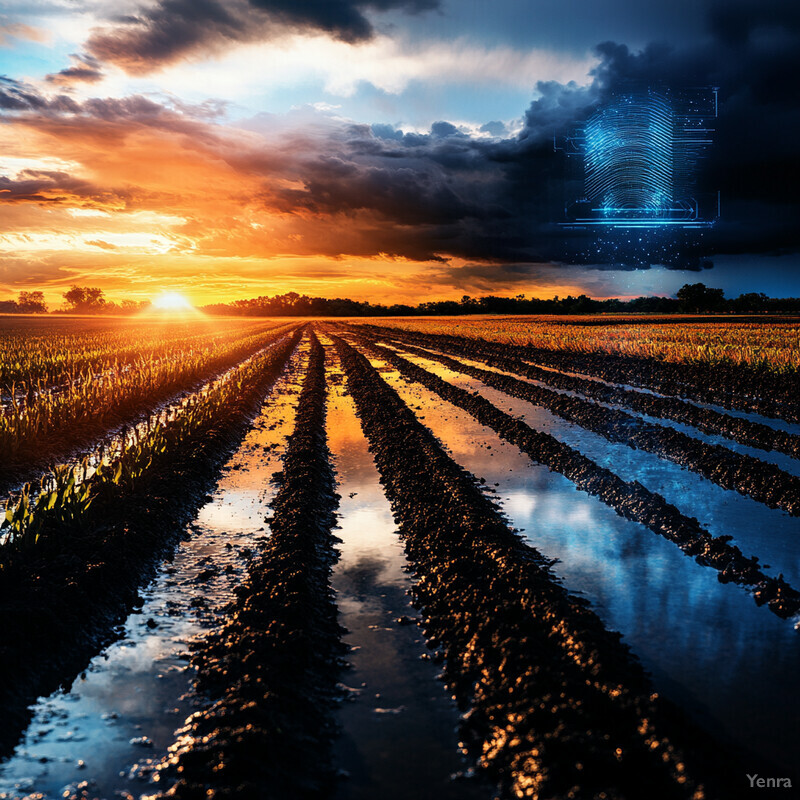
(31,303)
(699,297)
(85,299)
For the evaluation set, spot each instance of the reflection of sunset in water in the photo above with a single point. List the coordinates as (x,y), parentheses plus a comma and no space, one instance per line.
(639,583)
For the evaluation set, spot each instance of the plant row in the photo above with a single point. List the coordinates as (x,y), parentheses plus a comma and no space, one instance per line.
(629,499)
(33,432)
(770,346)
(555,705)
(35,358)
(762,481)
(65,496)
(708,420)
(270,672)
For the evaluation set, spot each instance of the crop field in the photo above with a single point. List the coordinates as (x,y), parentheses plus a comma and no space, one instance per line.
(406,559)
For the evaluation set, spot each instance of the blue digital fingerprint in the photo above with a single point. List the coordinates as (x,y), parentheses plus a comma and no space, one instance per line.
(628,157)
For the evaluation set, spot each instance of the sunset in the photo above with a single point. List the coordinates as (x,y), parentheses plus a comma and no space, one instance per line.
(399,399)
(400,150)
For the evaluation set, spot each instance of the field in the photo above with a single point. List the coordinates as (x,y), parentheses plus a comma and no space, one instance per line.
(407,559)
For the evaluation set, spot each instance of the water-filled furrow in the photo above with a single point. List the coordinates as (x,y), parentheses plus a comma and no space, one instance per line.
(781,460)
(752,416)
(708,647)
(770,534)
(121,713)
(397,735)
(763,482)
(674,400)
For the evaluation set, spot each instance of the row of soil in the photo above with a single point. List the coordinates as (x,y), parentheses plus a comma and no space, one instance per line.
(732,386)
(762,481)
(555,705)
(61,598)
(43,432)
(629,499)
(271,671)
(708,420)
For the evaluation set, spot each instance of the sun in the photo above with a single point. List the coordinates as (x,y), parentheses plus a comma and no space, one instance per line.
(172,301)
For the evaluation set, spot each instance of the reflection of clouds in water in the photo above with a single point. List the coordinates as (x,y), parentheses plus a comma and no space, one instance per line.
(235,510)
(519,504)
(707,644)
(131,689)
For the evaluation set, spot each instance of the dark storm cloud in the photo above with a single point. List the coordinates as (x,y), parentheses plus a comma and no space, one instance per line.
(445,193)
(48,187)
(173,29)
(18,96)
(490,200)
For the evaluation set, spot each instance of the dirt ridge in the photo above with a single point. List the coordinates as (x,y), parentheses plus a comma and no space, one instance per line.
(60,602)
(271,671)
(708,420)
(629,499)
(556,706)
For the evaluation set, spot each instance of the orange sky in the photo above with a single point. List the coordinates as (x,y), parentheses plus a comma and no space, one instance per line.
(139,204)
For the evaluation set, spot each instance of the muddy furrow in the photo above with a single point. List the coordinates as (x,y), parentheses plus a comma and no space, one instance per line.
(761,481)
(272,670)
(61,599)
(629,499)
(736,387)
(744,431)
(556,705)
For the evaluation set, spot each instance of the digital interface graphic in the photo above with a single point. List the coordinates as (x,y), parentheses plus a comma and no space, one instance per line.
(639,155)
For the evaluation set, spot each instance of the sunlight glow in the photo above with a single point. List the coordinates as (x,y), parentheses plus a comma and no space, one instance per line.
(172,301)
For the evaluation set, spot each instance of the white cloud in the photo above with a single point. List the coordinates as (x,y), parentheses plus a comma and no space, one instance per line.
(391,65)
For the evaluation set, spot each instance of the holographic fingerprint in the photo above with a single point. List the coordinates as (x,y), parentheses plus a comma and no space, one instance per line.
(641,156)
(628,157)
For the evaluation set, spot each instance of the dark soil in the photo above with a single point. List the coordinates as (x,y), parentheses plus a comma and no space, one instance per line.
(761,390)
(744,431)
(62,599)
(271,672)
(555,705)
(631,500)
(759,480)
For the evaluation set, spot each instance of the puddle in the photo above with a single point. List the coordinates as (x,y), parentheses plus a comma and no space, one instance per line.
(127,705)
(729,664)
(770,534)
(398,737)
(782,460)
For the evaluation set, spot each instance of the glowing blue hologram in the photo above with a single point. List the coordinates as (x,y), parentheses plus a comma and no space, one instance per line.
(640,153)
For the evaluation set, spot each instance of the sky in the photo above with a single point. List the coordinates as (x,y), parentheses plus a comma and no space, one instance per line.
(387,150)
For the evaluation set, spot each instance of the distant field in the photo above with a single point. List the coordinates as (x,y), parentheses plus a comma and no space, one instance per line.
(597,555)
(771,344)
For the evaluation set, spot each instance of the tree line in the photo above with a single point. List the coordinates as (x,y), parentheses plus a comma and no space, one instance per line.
(78,300)
(691,298)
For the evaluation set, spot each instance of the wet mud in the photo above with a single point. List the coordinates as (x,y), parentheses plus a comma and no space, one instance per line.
(119,716)
(397,737)
(744,431)
(271,672)
(554,705)
(630,499)
(762,481)
(730,386)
